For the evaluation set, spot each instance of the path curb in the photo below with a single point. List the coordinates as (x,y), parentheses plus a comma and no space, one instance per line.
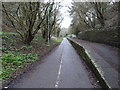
(86,57)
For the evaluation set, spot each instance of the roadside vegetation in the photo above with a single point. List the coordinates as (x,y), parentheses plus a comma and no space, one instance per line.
(96,21)
(27,29)
(109,37)
(57,40)
(16,56)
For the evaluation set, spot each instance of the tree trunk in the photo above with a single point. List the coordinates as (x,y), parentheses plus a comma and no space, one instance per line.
(28,39)
(102,21)
(43,34)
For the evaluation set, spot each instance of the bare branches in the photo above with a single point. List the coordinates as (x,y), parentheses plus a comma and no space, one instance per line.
(29,17)
(8,16)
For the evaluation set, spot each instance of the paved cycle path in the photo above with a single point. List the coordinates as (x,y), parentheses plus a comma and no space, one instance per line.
(62,68)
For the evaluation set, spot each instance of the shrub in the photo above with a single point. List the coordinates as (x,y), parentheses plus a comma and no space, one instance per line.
(109,37)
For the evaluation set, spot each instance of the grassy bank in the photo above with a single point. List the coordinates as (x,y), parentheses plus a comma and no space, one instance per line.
(56,41)
(17,56)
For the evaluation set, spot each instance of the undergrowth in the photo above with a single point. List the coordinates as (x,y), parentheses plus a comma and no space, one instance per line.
(12,58)
(16,55)
(14,61)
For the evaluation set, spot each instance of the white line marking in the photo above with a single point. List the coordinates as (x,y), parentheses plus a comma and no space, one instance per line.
(59,72)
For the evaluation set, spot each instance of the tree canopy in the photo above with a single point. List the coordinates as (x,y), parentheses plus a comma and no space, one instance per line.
(27,18)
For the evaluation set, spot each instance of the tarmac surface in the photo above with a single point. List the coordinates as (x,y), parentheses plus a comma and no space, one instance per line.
(62,68)
(106,59)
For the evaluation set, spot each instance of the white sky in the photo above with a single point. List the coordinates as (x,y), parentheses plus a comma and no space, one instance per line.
(65,14)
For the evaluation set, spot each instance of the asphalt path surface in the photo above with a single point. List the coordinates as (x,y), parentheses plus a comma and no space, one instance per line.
(105,58)
(107,53)
(62,68)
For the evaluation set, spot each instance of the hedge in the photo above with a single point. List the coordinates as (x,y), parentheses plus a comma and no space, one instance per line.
(109,37)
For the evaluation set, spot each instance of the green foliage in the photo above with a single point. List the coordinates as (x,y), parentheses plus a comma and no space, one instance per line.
(39,39)
(3,48)
(17,50)
(9,38)
(14,61)
(58,40)
(5,37)
(0,48)
(1,33)
(8,41)
(26,47)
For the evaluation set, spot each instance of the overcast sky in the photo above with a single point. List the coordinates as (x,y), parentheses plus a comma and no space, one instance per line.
(65,14)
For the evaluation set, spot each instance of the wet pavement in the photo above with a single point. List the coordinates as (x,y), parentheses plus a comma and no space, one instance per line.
(62,68)
(105,59)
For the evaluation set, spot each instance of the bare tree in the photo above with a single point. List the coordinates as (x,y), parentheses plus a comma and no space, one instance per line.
(100,8)
(27,19)
(52,19)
